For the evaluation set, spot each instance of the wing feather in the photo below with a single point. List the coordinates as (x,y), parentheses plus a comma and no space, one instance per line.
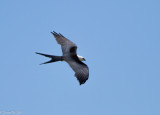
(65,43)
(81,70)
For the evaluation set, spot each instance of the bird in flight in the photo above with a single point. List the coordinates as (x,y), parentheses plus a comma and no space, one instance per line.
(69,50)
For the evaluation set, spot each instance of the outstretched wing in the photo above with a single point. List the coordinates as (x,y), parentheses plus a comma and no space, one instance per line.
(65,43)
(69,50)
(81,70)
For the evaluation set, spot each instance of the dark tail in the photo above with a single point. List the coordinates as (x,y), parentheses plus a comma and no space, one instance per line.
(53,58)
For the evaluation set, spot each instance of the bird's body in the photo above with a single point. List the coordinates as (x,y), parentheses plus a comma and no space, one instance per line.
(70,56)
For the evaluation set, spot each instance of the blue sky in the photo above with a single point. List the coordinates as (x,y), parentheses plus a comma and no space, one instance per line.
(120,40)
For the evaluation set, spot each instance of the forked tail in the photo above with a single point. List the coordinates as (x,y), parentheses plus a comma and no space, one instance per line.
(53,58)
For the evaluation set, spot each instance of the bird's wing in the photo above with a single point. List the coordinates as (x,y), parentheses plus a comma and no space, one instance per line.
(65,43)
(81,70)
(69,49)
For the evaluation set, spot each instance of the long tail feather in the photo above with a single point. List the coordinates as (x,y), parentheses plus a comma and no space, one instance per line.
(53,58)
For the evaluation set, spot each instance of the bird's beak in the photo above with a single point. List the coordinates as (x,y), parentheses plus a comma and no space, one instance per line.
(84,59)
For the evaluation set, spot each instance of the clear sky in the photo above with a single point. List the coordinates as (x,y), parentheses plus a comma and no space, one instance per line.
(120,40)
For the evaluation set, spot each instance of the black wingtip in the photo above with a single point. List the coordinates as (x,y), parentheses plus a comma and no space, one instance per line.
(56,34)
(82,81)
(61,34)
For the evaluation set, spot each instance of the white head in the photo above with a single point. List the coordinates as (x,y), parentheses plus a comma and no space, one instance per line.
(81,58)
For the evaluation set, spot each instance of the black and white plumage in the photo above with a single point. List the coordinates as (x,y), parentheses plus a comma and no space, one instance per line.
(70,56)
